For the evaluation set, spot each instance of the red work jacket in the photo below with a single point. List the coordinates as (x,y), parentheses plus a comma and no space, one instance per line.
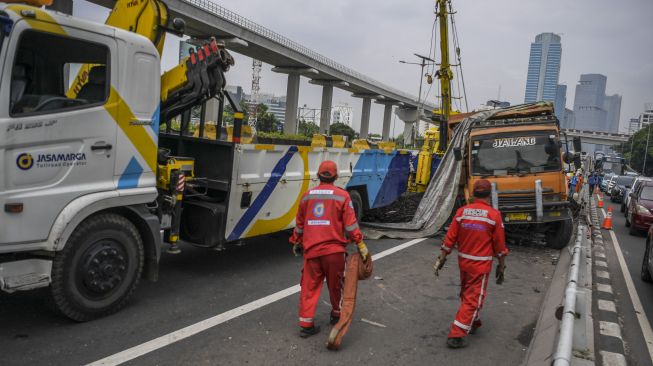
(325,214)
(478,231)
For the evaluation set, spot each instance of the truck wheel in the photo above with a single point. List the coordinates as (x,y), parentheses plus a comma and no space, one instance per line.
(632,230)
(558,236)
(646,274)
(357,201)
(622,208)
(98,269)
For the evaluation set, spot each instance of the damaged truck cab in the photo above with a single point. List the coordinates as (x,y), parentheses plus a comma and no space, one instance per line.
(519,151)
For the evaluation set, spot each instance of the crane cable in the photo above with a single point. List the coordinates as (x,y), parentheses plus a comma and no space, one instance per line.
(456,41)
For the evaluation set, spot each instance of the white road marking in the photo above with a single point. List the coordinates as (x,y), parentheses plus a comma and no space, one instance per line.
(610,329)
(607,305)
(604,288)
(183,333)
(601,264)
(613,359)
(603,274)
(634,297)
(373,323)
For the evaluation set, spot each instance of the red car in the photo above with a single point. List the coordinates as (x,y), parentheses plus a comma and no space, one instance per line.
(639,216)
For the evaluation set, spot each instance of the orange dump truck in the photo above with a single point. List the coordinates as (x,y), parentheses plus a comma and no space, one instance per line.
(519,151)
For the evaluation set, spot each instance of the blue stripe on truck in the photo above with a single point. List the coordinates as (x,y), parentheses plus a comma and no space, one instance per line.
(260,200)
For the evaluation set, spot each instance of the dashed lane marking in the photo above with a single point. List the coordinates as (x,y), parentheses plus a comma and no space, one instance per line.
(178,335)
(603,274)
(607,305)
(604,288)
(613,359)
(601,264)
(634,297)
(610,329)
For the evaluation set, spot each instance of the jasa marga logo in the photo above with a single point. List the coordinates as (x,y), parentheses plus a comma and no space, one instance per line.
(60,160)
(24,161)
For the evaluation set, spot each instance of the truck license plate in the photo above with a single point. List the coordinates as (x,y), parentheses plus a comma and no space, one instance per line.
(517,216)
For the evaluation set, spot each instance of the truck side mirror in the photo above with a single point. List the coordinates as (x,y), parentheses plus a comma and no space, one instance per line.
(457,153)
(179,25)
(568,157)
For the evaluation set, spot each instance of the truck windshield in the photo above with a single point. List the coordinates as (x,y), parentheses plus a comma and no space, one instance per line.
(505,154)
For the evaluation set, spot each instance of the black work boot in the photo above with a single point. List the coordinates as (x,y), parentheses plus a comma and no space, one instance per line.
(334,319)
(456,343)
(306,332)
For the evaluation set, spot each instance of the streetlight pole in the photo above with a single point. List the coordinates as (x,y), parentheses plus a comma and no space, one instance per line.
(419,96)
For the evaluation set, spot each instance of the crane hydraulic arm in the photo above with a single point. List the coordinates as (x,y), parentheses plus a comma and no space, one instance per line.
(198,78)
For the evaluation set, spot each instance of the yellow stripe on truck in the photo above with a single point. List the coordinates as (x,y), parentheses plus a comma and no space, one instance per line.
(41,21)
(137,134)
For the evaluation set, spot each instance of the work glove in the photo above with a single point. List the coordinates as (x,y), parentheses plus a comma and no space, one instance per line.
(439,263)
(362,249)
(500,274)
(297,249)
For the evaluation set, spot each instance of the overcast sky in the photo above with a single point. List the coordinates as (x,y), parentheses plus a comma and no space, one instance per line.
(371,36)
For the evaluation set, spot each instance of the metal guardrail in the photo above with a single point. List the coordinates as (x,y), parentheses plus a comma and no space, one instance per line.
(563,353)
(260,30)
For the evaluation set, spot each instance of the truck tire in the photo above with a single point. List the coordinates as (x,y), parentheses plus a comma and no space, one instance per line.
(646,274)
(633,231)
(99,268)
(558,236)
(357,201)
(623,207)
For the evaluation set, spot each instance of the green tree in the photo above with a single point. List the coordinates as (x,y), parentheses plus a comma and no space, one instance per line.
(634,151)
(308,128)
(266,121)
(342,129)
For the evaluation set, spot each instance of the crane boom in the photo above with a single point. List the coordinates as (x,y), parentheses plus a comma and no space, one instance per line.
(444,73)
(197,78)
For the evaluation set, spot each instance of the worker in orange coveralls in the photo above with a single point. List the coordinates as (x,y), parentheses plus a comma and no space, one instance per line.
(477,230)
(326,223)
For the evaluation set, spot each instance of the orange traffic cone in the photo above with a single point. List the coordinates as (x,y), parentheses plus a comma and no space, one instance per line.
(600,200)
(607,222)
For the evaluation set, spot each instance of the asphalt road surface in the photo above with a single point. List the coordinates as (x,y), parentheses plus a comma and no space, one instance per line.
(632,248)
(403,313)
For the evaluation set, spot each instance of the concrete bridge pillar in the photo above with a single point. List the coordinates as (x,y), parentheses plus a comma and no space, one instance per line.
(365,112)
(409,116)
(365,117)
(327,100)
(387,118)
(325,111)
(292,102)
(292,94)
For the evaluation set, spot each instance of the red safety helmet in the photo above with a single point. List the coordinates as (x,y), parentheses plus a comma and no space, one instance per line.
(482,188)
(328,170)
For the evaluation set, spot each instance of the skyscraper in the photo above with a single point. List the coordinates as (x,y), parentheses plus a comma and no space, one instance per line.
(560,101)
(543,69)
(612,106)
(589,111)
